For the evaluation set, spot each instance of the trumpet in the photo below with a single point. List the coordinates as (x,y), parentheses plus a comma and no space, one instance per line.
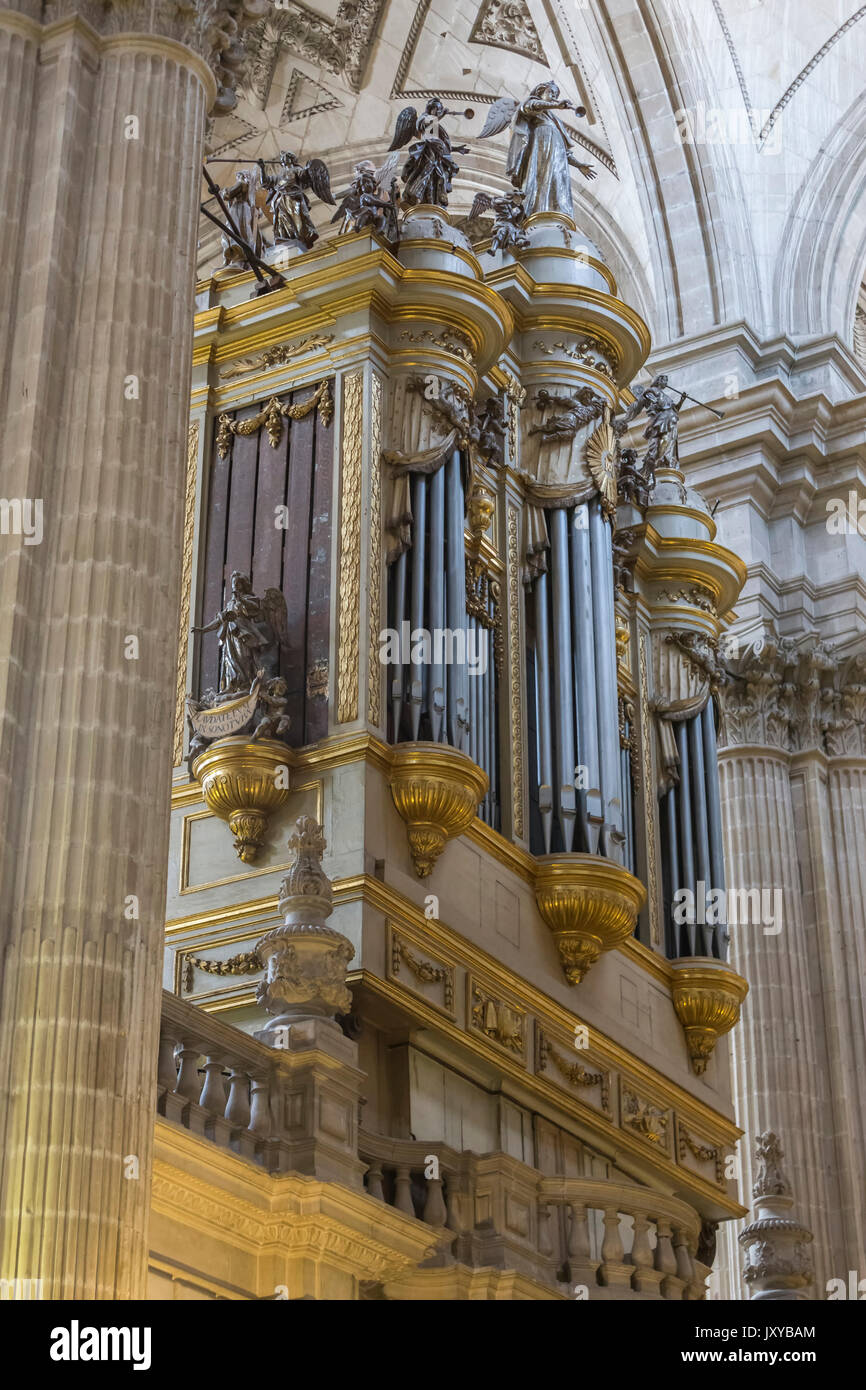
(467,113)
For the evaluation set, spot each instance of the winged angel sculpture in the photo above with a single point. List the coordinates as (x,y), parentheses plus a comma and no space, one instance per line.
(430,168)
(287,196)
(508,220)
(541,148)
(250,632)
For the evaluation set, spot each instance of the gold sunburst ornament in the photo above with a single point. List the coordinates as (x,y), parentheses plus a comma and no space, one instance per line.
(602,457)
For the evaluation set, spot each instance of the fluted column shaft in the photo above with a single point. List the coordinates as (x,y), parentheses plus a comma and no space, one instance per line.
(89,641)
(780,1064)
(830,807)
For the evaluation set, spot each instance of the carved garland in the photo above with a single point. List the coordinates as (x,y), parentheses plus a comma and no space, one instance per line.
(573,1072)
(704,1153)
(423,970)
(272,415)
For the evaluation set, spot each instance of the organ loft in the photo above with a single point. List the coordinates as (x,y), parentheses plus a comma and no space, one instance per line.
(429,859)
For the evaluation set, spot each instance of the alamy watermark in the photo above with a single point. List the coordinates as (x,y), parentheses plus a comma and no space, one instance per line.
(22,516)
(441,646)
(711,907)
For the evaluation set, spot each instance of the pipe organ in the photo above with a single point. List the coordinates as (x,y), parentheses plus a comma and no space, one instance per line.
(415,448)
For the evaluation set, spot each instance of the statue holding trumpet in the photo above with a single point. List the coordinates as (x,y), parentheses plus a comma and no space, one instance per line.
(541,148)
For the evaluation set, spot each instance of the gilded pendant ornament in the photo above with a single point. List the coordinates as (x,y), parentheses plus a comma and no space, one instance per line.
(589,903)
(241,783)
(437,791)
(707,996)
(272,415)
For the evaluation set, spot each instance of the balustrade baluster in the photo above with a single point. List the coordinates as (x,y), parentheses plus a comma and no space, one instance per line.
(169,1104)
(435,1212)
(545,1236)
(666,1262)
(403,1190)
(646,1278)
(614,1272)
(374,1180)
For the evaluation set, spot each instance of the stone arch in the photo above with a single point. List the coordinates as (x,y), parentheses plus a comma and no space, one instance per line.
(822,258)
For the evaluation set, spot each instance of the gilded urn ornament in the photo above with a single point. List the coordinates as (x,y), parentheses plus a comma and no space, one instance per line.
(437,791)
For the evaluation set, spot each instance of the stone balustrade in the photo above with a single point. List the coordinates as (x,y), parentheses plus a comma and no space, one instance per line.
(616,1239)
(219,1083)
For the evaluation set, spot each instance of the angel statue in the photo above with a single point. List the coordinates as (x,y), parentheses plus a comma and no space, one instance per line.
(430,169)
(509,217)
(250,631)
(540,150)
(661,432)
(287,196)
(240,199)
(371,199)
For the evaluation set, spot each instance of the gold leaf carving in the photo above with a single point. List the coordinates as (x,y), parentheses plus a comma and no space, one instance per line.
(349,612)
(185,588)
(374,679)
(272,415)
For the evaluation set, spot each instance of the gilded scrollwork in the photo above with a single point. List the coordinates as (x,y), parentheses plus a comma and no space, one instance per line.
(349,608)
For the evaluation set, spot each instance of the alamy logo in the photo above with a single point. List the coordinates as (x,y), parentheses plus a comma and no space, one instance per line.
(76,1343)
(443,646)
(734,907)
(22,516)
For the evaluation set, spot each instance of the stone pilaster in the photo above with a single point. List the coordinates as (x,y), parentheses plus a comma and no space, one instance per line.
(100,354)
(792,813)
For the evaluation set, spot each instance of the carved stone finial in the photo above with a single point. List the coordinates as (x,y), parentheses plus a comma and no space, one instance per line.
(305,960)
(778,1262)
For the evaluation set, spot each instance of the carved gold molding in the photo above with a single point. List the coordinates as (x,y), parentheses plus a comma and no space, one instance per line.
(650,804)
(185,588)
(513,550)
(240,784)
(701,1153)
(374,680)
(349,606)
(271,415)
(589,903)
(276,356)
(652,1122)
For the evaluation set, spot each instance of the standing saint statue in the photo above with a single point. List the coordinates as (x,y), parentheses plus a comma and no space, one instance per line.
(240,199)
(287,196)
(540,153)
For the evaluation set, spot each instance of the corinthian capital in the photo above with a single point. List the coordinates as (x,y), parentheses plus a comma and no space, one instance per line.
(213,29)
(796,695)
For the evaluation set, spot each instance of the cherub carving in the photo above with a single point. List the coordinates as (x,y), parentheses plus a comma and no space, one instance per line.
(371,199)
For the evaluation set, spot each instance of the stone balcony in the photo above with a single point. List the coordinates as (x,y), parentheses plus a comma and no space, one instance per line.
(265,1187)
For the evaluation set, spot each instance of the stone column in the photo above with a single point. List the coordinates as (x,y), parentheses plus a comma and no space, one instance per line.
(784,1076)
(97,430)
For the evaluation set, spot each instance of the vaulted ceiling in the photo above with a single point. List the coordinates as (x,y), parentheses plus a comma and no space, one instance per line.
(697,233)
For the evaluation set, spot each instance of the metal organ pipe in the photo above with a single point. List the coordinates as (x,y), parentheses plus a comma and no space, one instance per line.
(398,616)
(685,817)
(437,693)
(564,704)
(605,666)
(583,660)
(702,838)
(545,751)
(458,711)
(714,816)
(419,585)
